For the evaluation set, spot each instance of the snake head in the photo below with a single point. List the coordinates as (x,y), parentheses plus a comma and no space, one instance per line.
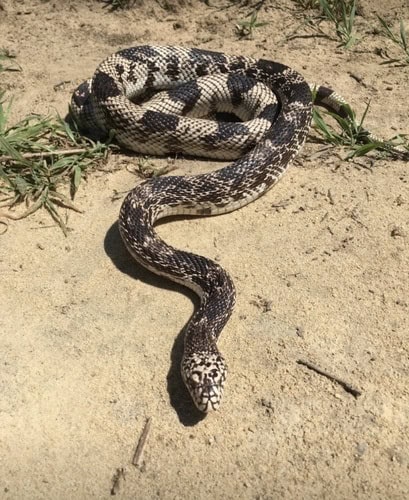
(204,374)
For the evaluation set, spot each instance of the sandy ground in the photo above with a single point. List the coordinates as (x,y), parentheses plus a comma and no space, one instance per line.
(91,343)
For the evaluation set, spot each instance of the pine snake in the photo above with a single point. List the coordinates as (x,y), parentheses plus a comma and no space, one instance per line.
(274,105)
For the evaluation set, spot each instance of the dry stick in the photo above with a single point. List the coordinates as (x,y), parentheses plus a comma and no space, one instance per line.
(137,458)
(342,383)
(4,223)
(45,154)
(119,473)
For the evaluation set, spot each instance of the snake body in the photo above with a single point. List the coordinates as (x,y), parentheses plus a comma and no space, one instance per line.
(198,84)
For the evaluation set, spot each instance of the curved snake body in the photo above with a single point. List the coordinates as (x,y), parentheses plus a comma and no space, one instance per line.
(275,103)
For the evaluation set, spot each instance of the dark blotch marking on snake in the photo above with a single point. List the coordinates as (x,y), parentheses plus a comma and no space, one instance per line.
(172,67)
(189,95)
(140,54)
(104,86)
(152,70)
(225,131)
(156,122)
(270,112)
(238,86)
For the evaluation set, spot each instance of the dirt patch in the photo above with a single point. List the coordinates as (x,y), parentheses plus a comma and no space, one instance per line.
(320,264)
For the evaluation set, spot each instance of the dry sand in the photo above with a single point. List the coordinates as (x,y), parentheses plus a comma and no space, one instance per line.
(91,343)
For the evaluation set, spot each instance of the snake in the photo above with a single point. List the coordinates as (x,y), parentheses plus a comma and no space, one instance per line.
(167,99)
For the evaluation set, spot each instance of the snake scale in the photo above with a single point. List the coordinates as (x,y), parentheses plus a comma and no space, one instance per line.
(169,99)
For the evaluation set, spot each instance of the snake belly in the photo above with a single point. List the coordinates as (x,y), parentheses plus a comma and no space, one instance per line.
(135,93)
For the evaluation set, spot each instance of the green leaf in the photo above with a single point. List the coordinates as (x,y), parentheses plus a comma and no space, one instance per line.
(77,177)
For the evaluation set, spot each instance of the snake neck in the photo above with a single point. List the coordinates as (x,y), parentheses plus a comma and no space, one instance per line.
(217,300)
(206,278)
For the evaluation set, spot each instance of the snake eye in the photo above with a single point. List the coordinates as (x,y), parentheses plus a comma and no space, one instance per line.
(195,378)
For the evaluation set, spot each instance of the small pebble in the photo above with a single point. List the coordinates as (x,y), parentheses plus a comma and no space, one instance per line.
(397,232)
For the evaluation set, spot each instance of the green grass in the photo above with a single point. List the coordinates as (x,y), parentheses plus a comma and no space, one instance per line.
(246,28)
(400,39)
(353,136)
(341,13)
(40,157)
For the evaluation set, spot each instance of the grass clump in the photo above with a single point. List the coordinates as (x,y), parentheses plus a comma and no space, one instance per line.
(355,137)
(38,156)
(341,13)
(400,39)
(245,28)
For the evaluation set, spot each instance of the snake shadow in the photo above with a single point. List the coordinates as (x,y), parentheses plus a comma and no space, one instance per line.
(179,396)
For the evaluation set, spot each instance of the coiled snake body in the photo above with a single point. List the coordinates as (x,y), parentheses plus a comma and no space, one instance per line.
(275,105)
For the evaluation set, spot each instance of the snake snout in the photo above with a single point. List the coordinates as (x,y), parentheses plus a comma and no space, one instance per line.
(208,398)
(204,375)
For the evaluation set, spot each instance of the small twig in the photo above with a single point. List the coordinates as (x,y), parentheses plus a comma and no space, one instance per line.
(137,458)
(46,154)
(61,84)
(342,383)
(119,474)
(4,225)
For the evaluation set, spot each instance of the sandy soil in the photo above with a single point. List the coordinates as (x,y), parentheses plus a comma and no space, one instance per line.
(91,343)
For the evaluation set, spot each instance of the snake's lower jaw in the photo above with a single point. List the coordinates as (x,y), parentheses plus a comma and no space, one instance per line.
(207,399)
